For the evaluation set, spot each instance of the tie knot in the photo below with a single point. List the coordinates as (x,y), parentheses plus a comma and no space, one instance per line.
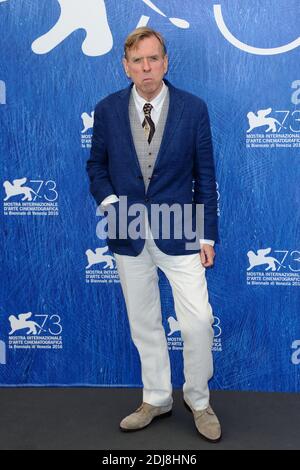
(147,109)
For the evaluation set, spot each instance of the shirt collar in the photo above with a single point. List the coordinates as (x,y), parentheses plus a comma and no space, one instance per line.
(157,102)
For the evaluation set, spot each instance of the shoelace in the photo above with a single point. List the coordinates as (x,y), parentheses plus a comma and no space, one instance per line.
(200,413)
(142,407)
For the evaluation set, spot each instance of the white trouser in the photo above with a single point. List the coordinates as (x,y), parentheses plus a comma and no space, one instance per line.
(139,281)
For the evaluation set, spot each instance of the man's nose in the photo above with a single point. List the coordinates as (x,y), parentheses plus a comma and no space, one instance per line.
(146,65)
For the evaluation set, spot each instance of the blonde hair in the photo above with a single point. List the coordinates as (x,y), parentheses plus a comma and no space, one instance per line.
(141,33)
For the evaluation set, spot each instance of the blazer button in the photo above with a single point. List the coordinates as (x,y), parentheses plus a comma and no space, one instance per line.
(147,199)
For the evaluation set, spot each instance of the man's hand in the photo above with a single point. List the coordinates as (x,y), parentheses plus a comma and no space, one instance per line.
(207,255)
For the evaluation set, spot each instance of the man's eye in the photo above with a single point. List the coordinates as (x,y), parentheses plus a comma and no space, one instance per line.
(136,61)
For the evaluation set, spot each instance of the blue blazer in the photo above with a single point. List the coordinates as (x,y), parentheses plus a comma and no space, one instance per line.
(184,170)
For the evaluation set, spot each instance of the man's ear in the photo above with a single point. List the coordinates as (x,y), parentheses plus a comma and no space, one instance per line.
(166,63)
(125,65)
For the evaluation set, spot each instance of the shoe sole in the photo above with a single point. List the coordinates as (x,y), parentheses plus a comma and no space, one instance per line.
(164,415)
(213,441)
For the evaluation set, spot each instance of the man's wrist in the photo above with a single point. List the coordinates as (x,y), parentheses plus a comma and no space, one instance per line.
(204,241)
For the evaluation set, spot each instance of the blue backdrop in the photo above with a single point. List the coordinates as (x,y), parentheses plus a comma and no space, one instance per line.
(62,315)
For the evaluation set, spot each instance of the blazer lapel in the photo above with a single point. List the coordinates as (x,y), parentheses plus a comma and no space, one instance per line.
(122,107)
(176,106)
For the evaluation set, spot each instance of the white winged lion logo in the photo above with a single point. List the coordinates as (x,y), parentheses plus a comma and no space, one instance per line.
(260,259)
(16,188)
(99,256)
(261,120)
(21,322)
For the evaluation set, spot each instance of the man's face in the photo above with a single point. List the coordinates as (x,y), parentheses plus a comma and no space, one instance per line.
(146,66)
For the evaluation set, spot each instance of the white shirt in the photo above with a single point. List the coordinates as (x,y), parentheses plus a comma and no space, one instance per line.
(157,104)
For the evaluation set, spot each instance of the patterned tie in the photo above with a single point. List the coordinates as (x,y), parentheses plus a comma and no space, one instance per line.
(148,124)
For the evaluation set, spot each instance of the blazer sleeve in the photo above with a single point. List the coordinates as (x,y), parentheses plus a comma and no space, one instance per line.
(97,165)
(205,190)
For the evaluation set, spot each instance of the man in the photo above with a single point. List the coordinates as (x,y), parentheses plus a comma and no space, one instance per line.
(152,144)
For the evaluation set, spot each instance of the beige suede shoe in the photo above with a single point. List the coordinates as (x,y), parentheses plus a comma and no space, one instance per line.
(143,416)
(207,423)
